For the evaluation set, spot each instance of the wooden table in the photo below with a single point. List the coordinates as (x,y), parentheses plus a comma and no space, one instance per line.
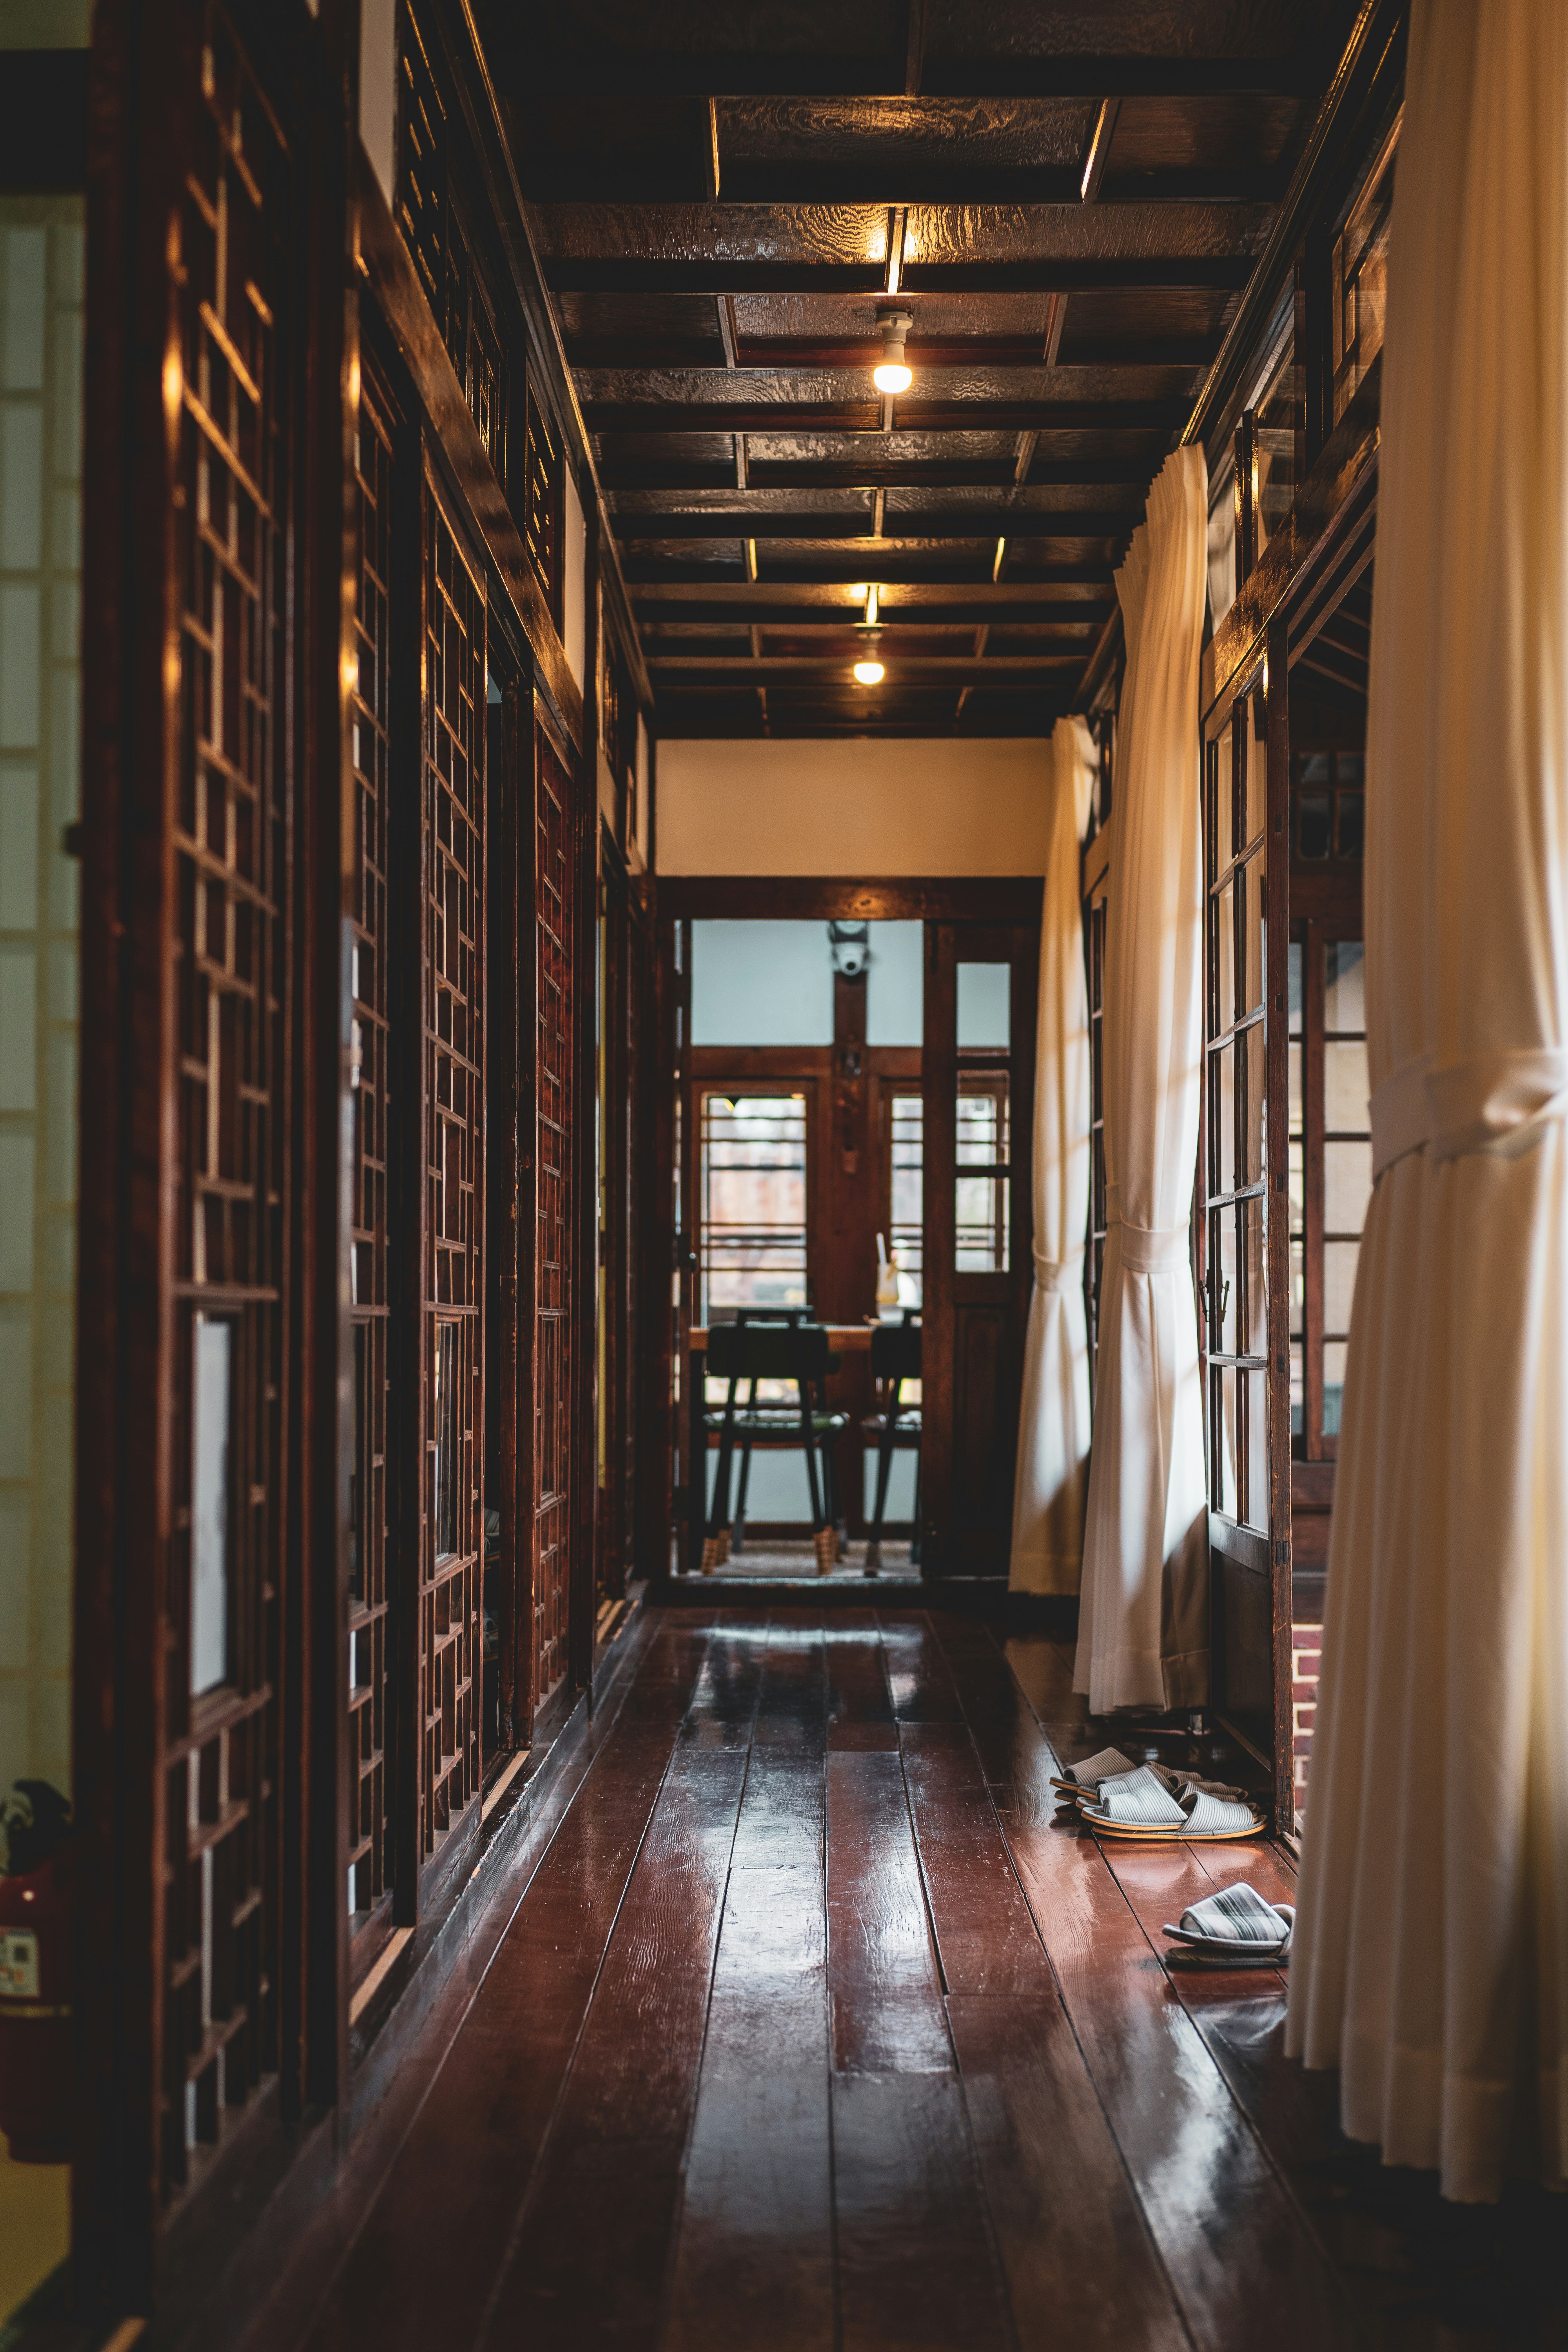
(848,1339)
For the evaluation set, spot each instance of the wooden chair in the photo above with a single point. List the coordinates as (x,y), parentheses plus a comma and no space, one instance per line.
(792,1350)
(895,1359)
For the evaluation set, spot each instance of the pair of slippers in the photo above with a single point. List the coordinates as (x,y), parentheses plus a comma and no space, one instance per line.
(1154,1805)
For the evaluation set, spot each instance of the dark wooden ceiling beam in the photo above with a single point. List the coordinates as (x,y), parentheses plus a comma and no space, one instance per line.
(633,353)
(591,178)
(653,273)
(1006,672)
(671,416)
(740,615)
(1023,524)
(916,473)
(526,72)
(890,571)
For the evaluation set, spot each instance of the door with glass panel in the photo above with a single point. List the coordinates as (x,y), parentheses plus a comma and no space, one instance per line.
(977,1236)
(1242,1191)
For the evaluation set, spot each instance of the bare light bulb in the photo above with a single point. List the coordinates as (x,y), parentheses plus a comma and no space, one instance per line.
(891,375)
(868,673)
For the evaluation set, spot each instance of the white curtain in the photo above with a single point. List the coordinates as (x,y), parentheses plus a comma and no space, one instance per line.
(1144,1617)
(1053,1425)
(1431,1953)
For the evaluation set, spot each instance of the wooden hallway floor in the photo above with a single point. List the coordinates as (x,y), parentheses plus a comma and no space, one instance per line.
(815,2027)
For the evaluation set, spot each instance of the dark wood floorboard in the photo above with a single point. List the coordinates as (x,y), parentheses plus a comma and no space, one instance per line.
(813,2024)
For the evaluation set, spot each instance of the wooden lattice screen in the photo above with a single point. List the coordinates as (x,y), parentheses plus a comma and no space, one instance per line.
(374,1079)
(231,954)
(451,1359)
(555,881)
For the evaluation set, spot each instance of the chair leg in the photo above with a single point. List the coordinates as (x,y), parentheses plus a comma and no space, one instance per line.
(738,1525)
(915,1533)
(716,1545)
(884,1466)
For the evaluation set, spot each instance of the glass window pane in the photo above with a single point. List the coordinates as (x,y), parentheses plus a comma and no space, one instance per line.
(1293,1084)
(1256,1499)
(1339,1285)
(444,1468)
(1345,1087)
(1347,1186)
(895,984)
(1297,1186)
(1294,999)
(1249,977)
(1222,545)
(1333,1385)
(1253,1047)
(1298,1289)
(1220,810)
(1298,1392)
(982,1204)
(752,1246)
(984,1011)
(1350,825)
(1344,985)
(1254,1307)
(1223,1438)
(1313,824)
(213,1344)
(1223,917)
(1254,779)
(761,983)
(1222,1119)
(1227,1299)
(906,1206)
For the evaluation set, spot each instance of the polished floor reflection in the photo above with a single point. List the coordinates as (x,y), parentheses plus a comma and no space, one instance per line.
(812,2027)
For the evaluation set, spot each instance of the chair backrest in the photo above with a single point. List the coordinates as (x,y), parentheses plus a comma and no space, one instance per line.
(896,1351)
(767,1351)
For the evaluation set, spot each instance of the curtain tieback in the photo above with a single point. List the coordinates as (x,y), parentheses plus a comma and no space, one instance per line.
(1481,1105)
(1055,1275)
(1148,1249)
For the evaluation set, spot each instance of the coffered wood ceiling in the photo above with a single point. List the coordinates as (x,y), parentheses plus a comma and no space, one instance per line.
(1069,196)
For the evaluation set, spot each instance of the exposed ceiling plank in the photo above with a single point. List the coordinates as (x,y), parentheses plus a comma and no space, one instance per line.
(1099,154)
(677,416)
(1024,523)
(710,153)
(1039,619)
(826,570)
(633,353)
(1007,671)
(880,473)
(595,179)
(572,273)
(523,70)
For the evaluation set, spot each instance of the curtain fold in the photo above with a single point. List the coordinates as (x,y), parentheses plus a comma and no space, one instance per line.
(1053,1422)
(1431,1954)
(1143,1614)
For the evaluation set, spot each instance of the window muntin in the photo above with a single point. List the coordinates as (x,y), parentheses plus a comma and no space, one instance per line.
(984,1180)
(753,1191)
(906,1193)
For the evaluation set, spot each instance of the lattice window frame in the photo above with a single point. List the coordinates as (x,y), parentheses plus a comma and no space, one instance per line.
(231,950)
(448,1606)
(557,853)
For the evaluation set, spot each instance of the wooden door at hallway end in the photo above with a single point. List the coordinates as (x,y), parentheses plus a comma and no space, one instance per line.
(978,1061)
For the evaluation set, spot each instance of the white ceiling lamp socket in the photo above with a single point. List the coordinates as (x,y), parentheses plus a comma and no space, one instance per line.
(891,375)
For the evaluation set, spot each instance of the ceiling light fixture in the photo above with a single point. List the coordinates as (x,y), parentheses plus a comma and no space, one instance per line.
(868,673)
(891,375)
(872,594)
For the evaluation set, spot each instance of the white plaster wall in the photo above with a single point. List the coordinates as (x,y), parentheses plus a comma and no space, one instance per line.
(853,807)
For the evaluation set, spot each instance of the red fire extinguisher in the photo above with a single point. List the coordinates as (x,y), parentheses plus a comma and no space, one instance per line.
(36,2055)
